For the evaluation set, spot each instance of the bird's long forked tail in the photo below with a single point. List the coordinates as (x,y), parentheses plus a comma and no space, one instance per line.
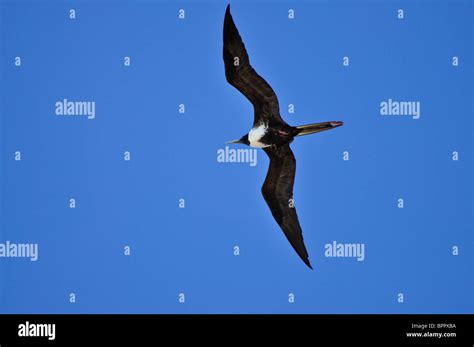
(317,127)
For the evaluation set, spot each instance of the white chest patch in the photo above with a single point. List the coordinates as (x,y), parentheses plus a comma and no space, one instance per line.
(256,134)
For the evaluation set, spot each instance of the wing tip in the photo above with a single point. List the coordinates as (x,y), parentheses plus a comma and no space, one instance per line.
(308,264)
(228,21)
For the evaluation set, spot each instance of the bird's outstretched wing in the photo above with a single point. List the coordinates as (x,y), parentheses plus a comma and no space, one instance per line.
(242,76)
(278,193)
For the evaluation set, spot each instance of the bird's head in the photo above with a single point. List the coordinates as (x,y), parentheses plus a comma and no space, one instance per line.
(243,140)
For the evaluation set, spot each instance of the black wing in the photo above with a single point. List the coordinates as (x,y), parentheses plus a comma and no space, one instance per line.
(278,193)
(242,76)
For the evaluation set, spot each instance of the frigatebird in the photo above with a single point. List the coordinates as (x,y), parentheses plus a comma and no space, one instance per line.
(271,133)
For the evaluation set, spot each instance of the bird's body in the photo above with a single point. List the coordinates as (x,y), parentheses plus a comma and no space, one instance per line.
(263,135)
(256,136)
(269,132)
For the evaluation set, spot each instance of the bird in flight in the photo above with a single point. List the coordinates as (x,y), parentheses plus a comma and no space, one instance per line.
(269,132)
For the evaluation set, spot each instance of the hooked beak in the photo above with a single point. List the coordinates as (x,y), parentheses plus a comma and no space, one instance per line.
(233,141)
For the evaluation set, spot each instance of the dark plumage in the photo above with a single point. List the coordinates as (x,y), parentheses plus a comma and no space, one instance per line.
(242,76)
(277,191)
(269,132)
